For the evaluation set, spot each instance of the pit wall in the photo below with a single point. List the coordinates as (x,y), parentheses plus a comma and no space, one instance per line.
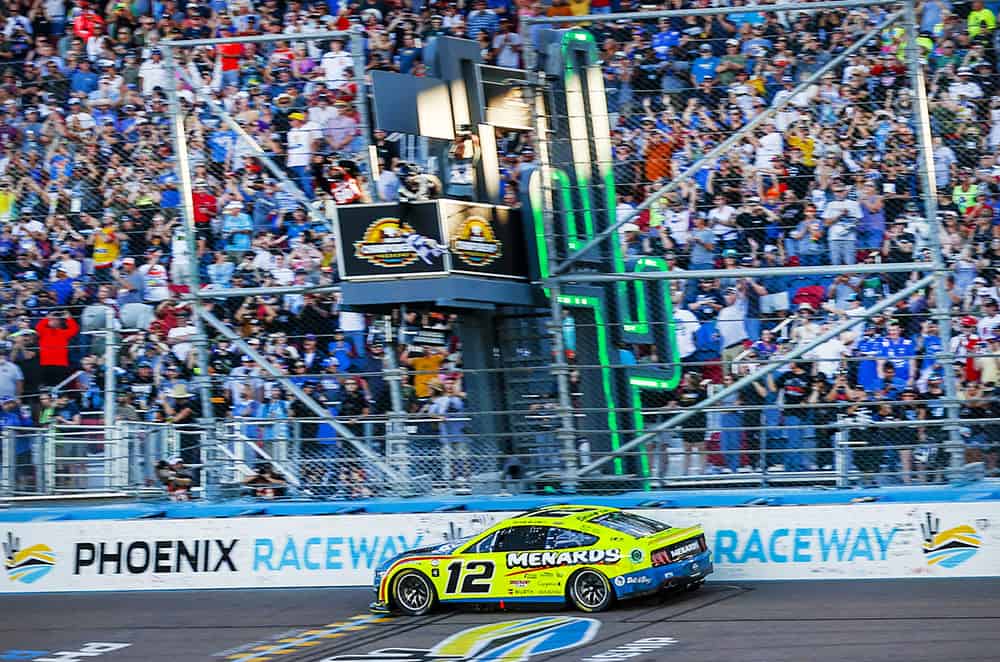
(858,541)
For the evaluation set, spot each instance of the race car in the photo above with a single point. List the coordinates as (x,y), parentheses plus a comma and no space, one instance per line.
(589,556)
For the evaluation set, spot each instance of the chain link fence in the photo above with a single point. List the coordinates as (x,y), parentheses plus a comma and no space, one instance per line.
(95,223)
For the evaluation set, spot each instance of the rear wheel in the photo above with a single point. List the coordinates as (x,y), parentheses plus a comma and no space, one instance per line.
(590,591)
(413,593)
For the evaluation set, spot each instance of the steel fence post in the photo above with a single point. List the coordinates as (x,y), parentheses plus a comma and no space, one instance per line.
(360,79)
(942,310)
(183,170)
(49,461)
(396,442)
(7,466)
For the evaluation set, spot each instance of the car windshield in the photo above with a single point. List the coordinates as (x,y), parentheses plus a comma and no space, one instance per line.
(633,525)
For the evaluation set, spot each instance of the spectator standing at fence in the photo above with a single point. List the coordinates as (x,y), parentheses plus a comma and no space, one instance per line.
(841,216)
(794,386)
(183,409)
(301,137)
(448,405)
(11,415)
(11,377)
(54,335)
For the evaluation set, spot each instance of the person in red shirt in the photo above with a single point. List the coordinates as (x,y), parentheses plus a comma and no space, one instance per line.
(54,334)
(231,56)
(205,209)
(343,182)
(88,24)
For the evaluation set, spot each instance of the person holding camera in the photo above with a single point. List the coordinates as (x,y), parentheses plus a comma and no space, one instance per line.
(266,482)
(54,334)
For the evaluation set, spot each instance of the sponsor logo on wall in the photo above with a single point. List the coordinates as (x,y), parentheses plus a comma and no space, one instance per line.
(951,547)
(27,565)
(391,242)
(475,242)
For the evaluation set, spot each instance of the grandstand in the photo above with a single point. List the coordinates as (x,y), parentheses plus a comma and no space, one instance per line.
(175,179)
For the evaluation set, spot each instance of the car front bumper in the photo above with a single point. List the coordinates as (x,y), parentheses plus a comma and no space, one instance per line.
(671,575)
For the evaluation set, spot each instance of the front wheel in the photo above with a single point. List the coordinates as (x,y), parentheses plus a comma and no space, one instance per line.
(590,591)
(413,593)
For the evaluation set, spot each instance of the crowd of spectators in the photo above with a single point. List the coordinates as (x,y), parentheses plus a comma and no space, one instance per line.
(90,204)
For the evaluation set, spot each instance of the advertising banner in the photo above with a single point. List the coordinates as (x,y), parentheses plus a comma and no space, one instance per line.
(794,542)
(390,240)
(484,240)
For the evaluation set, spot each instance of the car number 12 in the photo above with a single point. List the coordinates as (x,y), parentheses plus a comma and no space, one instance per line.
(477,578)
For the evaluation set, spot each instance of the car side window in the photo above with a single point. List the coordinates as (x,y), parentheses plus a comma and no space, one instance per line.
(521,539)
(483,546)
(565,539)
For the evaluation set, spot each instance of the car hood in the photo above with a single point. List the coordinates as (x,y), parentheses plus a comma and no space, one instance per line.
(446,547)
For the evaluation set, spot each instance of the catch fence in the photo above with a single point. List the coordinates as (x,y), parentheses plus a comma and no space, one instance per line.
(645,371)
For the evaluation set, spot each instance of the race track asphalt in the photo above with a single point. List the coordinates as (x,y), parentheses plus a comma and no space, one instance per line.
(831,621)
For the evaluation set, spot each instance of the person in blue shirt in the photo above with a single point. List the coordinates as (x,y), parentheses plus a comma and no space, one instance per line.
(83,79)
(407,55)
(704,65)
(62,286)
(868,349)
(237,228)
(667,38)
(13,416)
(901,353)
(757,42)
(170,197)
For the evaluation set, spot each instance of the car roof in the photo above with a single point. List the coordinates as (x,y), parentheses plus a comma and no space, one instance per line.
(562,513)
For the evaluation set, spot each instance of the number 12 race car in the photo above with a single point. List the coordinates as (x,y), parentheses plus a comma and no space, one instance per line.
(589,556)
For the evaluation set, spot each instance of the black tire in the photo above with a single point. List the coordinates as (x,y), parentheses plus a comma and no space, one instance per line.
(590,591)
(413,593)
(694,586)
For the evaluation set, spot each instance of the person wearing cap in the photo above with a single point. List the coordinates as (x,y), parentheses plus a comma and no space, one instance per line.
(989,319)
(106,242)
(795,386)
(705,65)
(301,140)
(131,284)
(634,244)
(153,72)
(175,478)
(841,216)
(237,228)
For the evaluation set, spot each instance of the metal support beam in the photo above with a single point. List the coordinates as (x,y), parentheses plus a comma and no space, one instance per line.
(565,434)
(259,152)
(942,309)
(230,292)
(183,169)
(742,383)
(358,53)
(732,140)
(397,451)
(395,479)
(707,11)
(267,38)
(754,272)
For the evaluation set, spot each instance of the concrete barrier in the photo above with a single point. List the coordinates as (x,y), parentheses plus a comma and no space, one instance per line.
(750,543)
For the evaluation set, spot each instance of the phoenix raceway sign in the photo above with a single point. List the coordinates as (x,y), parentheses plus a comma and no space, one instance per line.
(795,542)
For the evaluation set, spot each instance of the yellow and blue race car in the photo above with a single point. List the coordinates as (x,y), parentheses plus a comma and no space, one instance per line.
(589,556)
